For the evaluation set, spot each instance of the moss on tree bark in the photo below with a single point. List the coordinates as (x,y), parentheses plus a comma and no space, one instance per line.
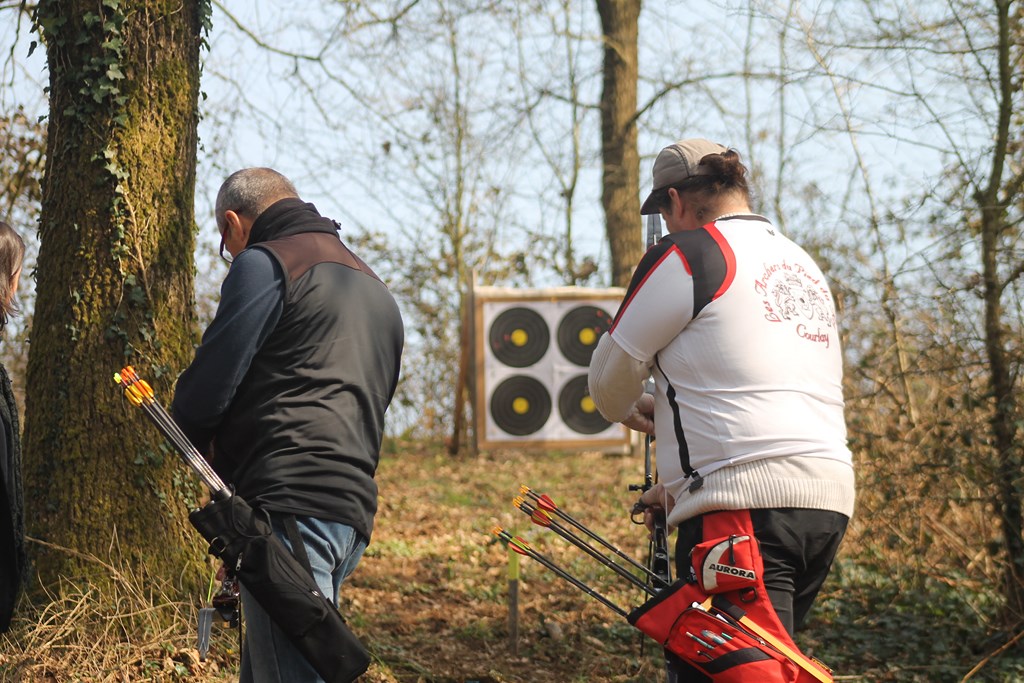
(114,284)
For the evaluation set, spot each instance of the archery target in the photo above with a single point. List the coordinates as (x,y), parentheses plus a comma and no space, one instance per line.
(577,409)
(519,337)
(520,405)
(579,331)
(532,349)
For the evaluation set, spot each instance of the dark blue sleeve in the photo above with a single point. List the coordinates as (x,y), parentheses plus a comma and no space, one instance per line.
(251,301)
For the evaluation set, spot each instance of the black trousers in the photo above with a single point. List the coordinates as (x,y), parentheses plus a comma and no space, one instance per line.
(797,545)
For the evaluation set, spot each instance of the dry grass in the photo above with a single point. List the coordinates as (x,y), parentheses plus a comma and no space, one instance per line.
(126,626)
(430,597)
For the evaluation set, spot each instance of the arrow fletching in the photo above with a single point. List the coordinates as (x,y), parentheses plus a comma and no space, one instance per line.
(543,512)
(540,518)
(520,546)
(140,394)
(523,548)
(544,502)
(514,542)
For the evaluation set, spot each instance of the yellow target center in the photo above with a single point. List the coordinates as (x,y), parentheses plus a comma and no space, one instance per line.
(520,406)
(519,337)
(587,405)
(588,336)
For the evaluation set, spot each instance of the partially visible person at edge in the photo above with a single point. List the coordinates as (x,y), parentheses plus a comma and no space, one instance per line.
(12,520)
(737,325)
(288,389)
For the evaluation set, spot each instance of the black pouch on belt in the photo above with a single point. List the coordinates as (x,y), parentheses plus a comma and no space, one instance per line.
(243,539)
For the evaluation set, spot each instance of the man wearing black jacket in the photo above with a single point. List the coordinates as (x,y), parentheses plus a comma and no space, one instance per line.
(288,390)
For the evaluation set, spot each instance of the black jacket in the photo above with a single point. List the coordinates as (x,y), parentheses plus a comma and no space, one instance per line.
(303,431)
(12,520)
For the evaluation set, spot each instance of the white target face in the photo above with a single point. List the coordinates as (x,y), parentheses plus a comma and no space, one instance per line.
(533,357)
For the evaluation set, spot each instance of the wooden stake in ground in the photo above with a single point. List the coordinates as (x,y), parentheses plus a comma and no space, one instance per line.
(513,602)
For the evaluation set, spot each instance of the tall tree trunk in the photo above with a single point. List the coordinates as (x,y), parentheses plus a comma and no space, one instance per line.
(620,179)
(1009,489)
(1006,409)
(114,281)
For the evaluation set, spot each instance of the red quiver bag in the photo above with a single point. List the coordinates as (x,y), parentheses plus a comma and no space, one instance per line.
(720,620)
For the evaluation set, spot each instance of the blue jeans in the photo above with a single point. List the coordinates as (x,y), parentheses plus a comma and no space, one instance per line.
(334,550)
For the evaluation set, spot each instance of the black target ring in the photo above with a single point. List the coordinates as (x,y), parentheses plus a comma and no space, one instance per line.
(520,405)
(519,337)
(577,408)
(579,331)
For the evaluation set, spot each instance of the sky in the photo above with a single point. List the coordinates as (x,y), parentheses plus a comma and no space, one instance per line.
(259,109)
(847,118)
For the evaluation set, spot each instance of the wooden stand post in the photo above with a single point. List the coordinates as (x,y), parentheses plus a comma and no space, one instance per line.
(513,602)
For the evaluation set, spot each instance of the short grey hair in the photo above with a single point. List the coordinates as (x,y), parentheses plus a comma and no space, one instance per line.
(250,192)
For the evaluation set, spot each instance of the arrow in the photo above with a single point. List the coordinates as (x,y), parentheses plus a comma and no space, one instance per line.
(542,518)
(544,502)
(721,607)
(523,548)
(547,505)
(140,394)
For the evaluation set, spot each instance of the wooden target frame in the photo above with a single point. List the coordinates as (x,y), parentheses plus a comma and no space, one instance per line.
(527,379)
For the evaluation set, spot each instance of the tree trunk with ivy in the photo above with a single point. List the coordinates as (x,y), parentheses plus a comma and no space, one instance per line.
(114,285)
(620,176)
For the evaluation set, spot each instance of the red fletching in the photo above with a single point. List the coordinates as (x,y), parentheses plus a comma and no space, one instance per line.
(544,502)
(519,545)
(540,518)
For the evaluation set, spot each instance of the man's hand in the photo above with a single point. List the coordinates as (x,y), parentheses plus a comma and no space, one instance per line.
(642,417)
(656,498)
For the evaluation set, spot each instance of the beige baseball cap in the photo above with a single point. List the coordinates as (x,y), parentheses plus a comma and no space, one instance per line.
(676,163)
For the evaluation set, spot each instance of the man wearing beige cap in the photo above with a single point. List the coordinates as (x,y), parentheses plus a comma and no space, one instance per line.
(737,325)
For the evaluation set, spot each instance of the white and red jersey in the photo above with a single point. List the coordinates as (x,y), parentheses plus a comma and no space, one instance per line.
(738,326)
